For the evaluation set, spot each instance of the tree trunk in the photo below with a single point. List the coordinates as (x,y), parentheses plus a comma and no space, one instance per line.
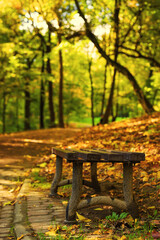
(27,96)
(50,84)
(4,113)
(27,106)
(104,88)
(17,113)
(61,121)
(42,93)
(92,90)
(115,115)
(147,106)
(110,100)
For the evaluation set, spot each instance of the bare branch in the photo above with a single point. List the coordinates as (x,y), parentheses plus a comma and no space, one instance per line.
(140,55)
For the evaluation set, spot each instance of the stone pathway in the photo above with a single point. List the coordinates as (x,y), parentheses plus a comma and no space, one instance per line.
(35,212)
(6,221)
(32,215)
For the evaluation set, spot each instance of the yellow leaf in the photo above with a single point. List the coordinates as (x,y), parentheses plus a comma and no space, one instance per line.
(123,237)
(21,237)
(129,219)
(82,218)
(65,202)
(145,178)
(152,207)
(51,233)
(99,209)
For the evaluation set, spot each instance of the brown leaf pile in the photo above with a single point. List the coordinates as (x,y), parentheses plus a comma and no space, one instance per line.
(137,135)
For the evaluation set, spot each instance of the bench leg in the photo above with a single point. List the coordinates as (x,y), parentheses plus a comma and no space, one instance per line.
(94,179)
(128,190)
(57,176)
(76,193)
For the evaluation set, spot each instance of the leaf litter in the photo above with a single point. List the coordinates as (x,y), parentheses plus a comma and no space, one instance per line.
(137,135)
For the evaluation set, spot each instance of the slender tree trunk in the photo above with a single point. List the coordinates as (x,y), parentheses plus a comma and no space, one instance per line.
(104,88)
(110,100)
(115,113)
(27,94)
(42,93)
(61,121)
(4,113)
(147,106)
(50,84)
(92,90)
(17,113)
(27,106)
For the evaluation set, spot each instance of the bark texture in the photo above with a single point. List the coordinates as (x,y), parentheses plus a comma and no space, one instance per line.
(50,84)
(105,200)
(128,189)
(57,177)
(76,192)
(116,45)
(42,93)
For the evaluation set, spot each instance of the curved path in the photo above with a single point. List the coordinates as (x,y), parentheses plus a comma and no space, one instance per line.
(19,153)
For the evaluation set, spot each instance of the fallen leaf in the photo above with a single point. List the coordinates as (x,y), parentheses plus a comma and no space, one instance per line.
(82,218)
(51,233)
(151,207)
(97,232)
(145,179)
(20,237)
(123,237)
(99,209)
(65,202)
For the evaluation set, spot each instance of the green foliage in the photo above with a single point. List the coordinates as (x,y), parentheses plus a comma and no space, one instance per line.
(24,32)
(116,217)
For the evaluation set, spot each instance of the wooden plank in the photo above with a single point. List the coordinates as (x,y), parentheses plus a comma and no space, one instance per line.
(88,155)
(76,155)
(68,154)
(128,155)
(108,156)
(98,155)
(119,156)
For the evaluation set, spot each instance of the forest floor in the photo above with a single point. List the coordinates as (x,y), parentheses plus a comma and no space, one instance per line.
(32,150)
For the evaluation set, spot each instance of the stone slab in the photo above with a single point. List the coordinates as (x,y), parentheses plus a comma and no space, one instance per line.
(4,224)
(38,213)
(4,230)
(39,220)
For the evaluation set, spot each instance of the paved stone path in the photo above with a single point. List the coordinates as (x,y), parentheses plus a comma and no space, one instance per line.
(6,220)
(9,181)
(35,212)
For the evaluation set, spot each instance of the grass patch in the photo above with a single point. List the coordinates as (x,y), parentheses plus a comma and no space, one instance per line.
(39,181)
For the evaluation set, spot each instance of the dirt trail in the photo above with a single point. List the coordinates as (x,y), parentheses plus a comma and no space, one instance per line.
(19,152)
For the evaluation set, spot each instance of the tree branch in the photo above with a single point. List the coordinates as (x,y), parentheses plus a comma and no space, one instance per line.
(130,28)
(140,55)
(142,98)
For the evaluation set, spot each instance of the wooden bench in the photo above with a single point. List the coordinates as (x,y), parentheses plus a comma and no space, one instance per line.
(94,156)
